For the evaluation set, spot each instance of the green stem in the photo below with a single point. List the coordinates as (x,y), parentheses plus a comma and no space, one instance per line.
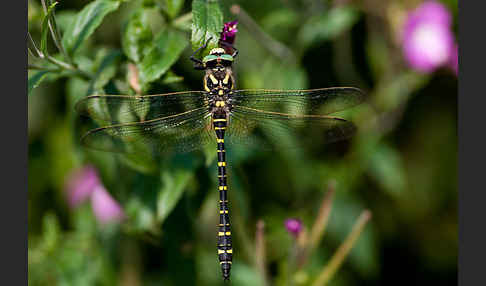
(60,63)
(56,36)
(32,42)
(36,67)
(69,67)
(31,53)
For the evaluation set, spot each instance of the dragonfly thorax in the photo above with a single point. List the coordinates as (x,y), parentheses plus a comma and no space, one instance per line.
(218,81)
(219,84)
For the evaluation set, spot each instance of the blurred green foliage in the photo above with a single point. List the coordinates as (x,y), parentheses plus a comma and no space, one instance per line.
(401,165)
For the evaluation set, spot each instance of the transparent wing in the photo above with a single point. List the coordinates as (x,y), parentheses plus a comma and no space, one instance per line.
(182,132)
(116,109)
(270,130)
(321,101)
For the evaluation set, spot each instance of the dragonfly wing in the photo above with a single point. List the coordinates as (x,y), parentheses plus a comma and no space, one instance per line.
(321,101)
(271,130)
(182,132)
(117,109)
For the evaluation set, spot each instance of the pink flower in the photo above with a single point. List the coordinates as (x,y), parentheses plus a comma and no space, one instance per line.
(80,185)
(229,32)
(105,208)
(85,183)
(293,226)
(428,42)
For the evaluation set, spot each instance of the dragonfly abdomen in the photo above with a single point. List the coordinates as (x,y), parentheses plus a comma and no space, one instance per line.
(225,250)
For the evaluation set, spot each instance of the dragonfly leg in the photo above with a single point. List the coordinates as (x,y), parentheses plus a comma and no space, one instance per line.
(198,64)
(235,50)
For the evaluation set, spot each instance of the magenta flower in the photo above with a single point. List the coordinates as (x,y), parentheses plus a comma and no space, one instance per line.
(105,208)
(80,185)
(85,183)
(229,32)
(428,42)
(293,226)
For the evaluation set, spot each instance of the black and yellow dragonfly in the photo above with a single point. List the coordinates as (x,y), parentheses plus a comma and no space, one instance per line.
(185,121)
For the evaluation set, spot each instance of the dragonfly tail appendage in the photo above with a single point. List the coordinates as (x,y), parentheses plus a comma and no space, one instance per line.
(225,250)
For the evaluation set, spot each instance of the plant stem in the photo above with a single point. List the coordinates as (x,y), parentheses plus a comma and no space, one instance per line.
(260,251)
(320,223)
(69,67)
(343,250)
(56,36)
(274,46)
(31,53)
(39,53)
(319,227)
(292,262)
(60,63)
(36,67)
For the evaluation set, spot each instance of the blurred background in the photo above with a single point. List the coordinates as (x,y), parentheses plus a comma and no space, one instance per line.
(98,218)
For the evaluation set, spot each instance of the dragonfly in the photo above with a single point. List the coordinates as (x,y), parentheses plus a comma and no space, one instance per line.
(219,114)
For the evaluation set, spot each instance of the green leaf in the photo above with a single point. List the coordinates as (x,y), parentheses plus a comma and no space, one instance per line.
(51,231)
(183,23)
(282,18)
(388,170)
(64,19)
(326,27)
(34,80)
(45,28)
(174,185)
(280,23)
(171,77)
(392,93)
(86,21)
(105,71)
(173,7)
(167,48)
(209,154)
(207,22)
(246,275)
(142,162)
(137,36)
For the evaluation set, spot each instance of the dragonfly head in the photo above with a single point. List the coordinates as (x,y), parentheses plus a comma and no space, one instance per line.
(218,58)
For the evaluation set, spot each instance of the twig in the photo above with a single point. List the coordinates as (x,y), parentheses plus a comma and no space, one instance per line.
(60,63)
(69,67)
(56,38)
(260,251)
(322,218)
(319,227)
(31,53)
(36,67)
(274,46)
(343,250)
(39,53)
(51,21)
(48,57)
